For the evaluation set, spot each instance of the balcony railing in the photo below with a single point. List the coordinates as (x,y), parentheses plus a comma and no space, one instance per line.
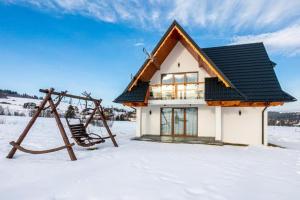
(177,91)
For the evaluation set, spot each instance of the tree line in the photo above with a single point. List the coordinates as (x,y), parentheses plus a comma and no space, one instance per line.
(5,93)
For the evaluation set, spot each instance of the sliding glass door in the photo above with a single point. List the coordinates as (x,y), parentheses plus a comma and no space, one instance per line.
(191,121)
(179,121)
(166,121)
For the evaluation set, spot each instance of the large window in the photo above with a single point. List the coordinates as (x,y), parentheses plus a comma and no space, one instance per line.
(189,77)
(179,85)
(179,121)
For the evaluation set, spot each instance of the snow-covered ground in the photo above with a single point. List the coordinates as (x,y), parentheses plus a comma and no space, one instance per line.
(146,170)
(16,104)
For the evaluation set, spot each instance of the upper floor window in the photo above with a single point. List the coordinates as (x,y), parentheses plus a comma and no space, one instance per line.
(178,86)
(167,79)
(191,77)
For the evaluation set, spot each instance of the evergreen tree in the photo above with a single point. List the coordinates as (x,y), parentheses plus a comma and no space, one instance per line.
(70,113)
(1,110)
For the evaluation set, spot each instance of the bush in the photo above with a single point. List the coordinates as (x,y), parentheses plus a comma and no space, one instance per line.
(1,110)
(70,113)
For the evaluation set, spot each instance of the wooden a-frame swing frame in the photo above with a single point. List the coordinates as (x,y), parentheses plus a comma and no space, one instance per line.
(48,98)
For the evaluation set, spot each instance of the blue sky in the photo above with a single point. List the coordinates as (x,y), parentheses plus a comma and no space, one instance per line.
(96,45)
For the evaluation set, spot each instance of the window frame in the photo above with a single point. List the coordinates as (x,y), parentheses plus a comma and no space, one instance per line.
(173,78)
(172,122)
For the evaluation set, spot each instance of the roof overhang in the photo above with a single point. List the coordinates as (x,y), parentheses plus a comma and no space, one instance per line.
(243,104)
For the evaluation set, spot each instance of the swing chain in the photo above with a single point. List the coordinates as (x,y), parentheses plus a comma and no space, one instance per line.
(57,99)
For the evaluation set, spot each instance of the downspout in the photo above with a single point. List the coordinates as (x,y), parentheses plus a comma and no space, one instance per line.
(263,124)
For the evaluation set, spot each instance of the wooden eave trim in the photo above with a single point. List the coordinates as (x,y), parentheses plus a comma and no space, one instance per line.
(242,104)
(135,104)
(193,47)
(150,61)
(139,104)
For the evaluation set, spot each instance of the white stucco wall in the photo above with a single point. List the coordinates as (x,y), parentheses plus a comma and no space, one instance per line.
(138,132)
(266,127)
(151,123)
(206,121)
(239,129)
(242,129)
(187,64)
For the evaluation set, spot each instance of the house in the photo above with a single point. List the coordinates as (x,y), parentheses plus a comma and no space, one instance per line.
(183,90)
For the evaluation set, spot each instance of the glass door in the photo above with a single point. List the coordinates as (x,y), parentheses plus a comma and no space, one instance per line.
(191,121)
(178,121)
(166,121)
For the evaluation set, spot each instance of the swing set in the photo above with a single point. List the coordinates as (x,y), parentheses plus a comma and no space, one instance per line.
(78,131)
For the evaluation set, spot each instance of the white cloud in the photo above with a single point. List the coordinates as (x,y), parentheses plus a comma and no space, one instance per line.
(261,20)
(285,41)
(222,14)
(138,44)
(235,14)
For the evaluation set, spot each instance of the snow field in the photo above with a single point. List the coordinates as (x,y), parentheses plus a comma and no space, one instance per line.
(146,170)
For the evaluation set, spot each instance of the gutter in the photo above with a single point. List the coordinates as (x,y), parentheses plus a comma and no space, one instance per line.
(263,125)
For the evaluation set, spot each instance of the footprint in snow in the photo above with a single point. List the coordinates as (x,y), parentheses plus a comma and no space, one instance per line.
(170,180)
(195,191)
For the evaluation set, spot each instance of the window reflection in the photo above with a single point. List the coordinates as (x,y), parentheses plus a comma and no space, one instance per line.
(178,86)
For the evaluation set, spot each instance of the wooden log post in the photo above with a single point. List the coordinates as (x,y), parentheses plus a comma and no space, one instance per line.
(90,118)
(100,110)
(62,131)
(31,122)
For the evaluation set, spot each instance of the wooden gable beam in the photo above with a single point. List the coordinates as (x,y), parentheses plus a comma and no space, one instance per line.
(170,40)
(197,57)
(169,46)
(203,58)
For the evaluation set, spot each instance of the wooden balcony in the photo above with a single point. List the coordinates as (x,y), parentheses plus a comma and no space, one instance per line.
(177,91)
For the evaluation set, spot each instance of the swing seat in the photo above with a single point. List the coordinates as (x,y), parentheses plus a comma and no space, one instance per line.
(82,138)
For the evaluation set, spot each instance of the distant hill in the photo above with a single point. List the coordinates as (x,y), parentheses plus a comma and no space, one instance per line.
(13,103)
(10,93)
(284,118)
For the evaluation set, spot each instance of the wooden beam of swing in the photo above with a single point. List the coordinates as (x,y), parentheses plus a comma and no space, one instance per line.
(91,117)
(20,148)
(62,131)
(100,110)
(71,95)
(31,122)
(68,146)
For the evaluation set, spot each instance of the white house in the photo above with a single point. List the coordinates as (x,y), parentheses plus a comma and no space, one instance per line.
(183,90)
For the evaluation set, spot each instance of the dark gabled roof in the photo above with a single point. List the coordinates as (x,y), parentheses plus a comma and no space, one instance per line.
(250,70)
(216,90)
(246,67)
(137,94)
